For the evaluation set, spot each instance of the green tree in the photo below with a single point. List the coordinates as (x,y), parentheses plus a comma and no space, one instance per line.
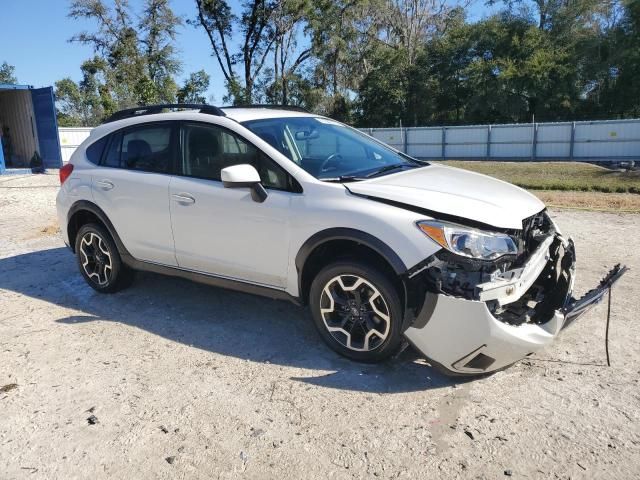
(612,69)
(138,60)
(7,73)
(520,72)
(383,92)
(194,88)
(83,103)
(158,26)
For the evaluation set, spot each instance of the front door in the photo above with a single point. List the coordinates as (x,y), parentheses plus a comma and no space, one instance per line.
(222,231)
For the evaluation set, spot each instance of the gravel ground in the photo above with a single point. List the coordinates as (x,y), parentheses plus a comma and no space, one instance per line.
(171,379)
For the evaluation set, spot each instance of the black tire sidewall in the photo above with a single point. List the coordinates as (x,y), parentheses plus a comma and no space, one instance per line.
(393,342)
(117,267)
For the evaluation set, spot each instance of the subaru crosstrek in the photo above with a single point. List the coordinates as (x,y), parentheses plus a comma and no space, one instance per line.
(280,202)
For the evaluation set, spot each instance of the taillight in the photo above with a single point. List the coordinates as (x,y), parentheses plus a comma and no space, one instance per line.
(65,171)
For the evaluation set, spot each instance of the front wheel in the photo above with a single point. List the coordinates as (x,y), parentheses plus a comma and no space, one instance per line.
(99,260)
(357,311)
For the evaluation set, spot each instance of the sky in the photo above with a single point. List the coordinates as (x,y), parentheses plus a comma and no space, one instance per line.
(34,38)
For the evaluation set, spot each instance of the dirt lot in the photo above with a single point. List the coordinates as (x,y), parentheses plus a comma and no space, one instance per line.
(188,381)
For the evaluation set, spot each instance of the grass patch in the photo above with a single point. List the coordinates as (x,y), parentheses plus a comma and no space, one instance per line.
(558,176)
(596,201)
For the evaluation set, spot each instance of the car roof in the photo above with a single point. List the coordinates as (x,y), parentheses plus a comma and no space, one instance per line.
(243,114)
(239,114)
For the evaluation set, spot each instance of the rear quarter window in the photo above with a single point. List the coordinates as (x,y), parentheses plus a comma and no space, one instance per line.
(94,151)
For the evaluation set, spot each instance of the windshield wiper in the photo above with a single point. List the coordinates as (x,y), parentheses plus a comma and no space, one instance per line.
(389,168)
(342,179)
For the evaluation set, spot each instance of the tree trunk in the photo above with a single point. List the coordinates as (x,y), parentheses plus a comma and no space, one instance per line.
(248,83)
(285,92)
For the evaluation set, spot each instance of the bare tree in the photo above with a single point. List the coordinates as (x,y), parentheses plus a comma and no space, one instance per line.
(257,39)
(411,23)
(288,17)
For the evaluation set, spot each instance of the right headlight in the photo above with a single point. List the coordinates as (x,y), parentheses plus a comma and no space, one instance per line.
(469,242)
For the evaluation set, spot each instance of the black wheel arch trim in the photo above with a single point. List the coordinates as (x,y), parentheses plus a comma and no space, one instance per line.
(414,295)
(85,205)
(368,240)
(358,236)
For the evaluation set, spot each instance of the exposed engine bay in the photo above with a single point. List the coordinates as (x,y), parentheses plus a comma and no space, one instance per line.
(548,293)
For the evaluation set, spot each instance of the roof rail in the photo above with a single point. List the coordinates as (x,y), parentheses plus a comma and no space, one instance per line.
(151,109)
(293,108)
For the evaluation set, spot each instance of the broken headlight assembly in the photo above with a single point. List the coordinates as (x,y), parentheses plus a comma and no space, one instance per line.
(472,257)
(469,242)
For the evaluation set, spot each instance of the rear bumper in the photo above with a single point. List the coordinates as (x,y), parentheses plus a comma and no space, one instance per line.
(470,337)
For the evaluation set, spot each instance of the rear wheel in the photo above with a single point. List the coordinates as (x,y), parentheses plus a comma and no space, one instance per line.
(357,311)
(99,261)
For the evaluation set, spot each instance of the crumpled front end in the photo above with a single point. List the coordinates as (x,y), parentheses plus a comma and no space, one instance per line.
(479,317)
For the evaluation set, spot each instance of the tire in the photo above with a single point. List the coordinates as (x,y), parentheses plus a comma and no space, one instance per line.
(99,261)
(364,321)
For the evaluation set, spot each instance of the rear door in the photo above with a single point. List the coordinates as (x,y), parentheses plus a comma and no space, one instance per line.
(132,187)
(222,231)
(47,126)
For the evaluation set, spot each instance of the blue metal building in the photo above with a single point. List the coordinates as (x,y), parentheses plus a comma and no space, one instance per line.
(27,126)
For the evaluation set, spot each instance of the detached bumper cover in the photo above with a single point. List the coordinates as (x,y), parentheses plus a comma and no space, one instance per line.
(577,308)
(465,336)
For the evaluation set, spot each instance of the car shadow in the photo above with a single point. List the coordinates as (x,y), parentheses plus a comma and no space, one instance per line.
(212,319)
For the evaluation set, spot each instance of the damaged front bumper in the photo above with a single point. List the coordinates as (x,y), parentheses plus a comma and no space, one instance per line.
(503,320)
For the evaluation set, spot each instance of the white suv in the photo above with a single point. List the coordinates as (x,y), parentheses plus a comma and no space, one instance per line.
(287,204)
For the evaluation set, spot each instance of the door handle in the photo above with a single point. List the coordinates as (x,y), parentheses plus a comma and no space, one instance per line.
(105,184)
(183,198)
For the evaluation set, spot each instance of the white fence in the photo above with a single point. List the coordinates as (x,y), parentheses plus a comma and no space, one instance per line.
(70,139)
(610,140)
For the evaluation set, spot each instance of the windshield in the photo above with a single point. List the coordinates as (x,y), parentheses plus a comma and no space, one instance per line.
(329,150)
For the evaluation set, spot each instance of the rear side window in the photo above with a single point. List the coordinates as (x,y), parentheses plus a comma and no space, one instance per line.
(147,149)
(112,156)
(94,151)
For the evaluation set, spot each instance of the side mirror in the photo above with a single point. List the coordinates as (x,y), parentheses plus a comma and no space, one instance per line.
(244,176)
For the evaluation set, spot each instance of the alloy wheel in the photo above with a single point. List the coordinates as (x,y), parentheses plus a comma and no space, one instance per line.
(96,259)
(355,313)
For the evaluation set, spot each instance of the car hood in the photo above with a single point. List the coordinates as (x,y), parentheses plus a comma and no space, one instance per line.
(453,191)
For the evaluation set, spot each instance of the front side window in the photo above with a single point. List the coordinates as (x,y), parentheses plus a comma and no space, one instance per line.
(207,149)
(112,155)
(329,150)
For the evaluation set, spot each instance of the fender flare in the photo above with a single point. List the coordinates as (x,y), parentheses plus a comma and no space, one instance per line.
(412,299)
(358,236)
(85,205)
